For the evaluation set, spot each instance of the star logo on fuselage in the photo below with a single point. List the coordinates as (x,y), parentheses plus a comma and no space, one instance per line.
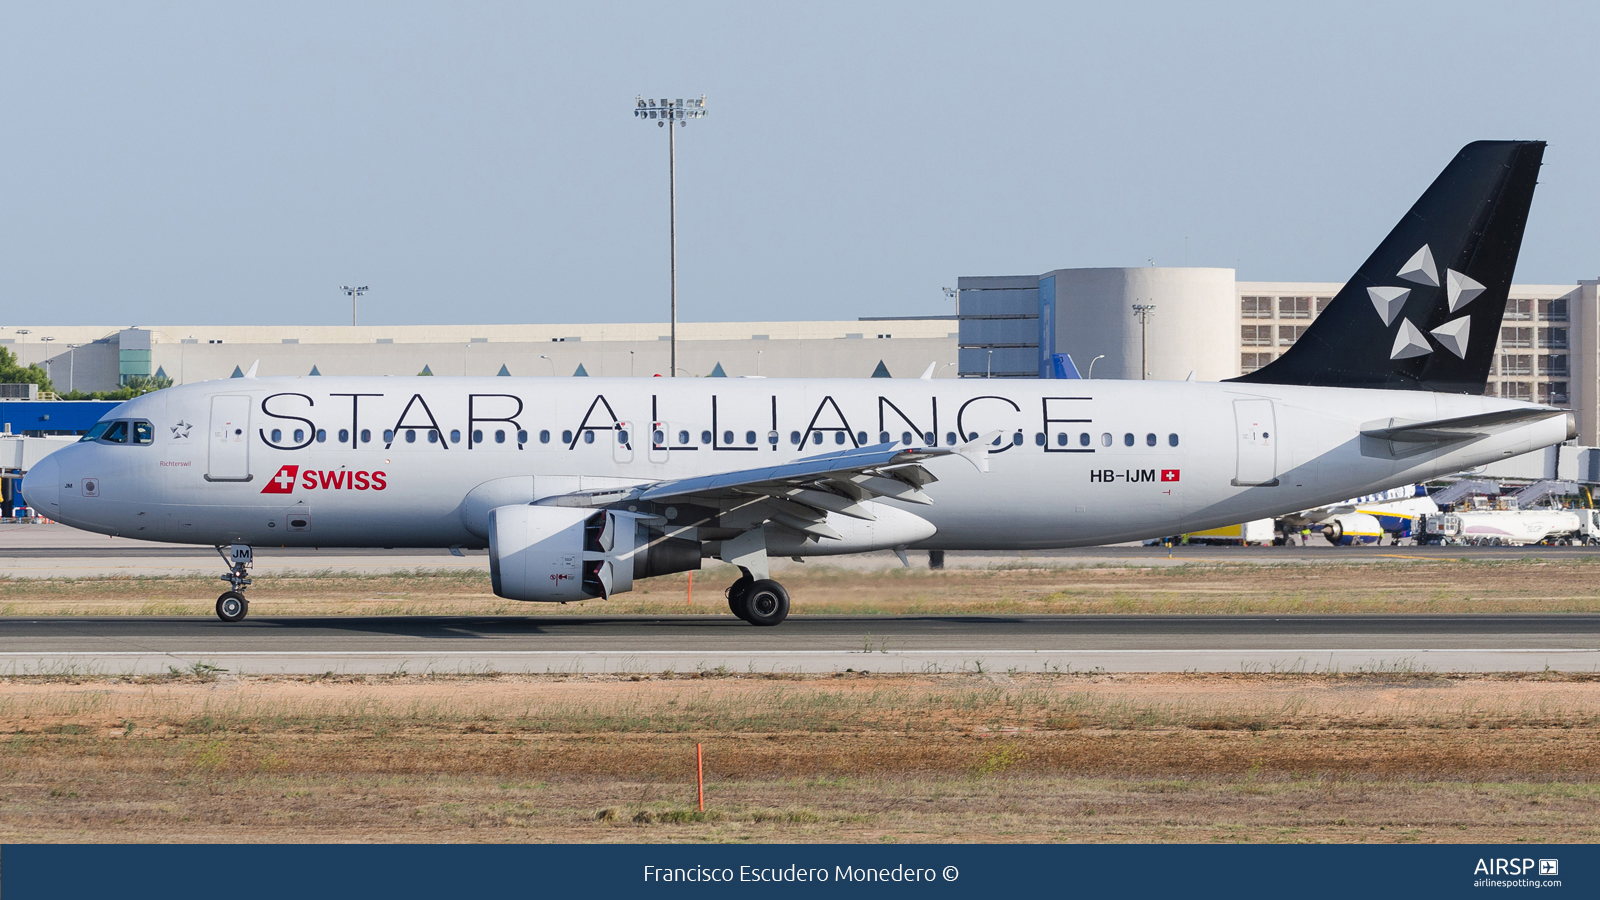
(180,431)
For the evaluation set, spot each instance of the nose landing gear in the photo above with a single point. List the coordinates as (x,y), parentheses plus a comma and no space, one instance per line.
(232,606)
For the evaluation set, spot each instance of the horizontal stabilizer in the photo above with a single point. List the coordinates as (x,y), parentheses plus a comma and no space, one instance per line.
(1461,428)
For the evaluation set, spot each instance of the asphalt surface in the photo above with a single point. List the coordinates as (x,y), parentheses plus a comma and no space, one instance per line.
(113,645)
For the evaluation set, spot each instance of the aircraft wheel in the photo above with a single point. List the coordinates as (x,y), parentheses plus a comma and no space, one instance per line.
(737,595)
(232,607)
(766,603)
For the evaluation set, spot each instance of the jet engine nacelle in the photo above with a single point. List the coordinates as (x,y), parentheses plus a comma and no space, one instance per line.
(1352,528)
(557,554)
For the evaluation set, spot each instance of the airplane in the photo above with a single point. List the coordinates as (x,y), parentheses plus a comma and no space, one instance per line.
(579,487)
(1365,520)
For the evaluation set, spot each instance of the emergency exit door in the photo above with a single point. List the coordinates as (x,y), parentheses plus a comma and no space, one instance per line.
(1257,436)
(228,439)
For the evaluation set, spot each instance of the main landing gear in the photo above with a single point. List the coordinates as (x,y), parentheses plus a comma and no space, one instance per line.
(232,606)
(761,601)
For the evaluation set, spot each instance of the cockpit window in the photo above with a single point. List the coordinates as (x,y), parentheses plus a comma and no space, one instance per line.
(143,433)
(95,432)
(116,434)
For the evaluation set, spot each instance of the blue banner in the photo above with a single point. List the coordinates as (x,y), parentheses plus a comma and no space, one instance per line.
(674,870)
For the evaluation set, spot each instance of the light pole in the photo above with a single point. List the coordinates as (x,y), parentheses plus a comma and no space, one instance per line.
(72,350)
(758,363)
(630,363)
(1091,366)
(988,367)
(48,369)
(1145,312)
(355,295)
(666,112)
(551,362)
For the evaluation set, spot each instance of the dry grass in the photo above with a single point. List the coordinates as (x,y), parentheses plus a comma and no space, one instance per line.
(827,758)
(1398,586)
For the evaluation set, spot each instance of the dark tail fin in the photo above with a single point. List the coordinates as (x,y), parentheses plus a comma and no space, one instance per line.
(1423,312)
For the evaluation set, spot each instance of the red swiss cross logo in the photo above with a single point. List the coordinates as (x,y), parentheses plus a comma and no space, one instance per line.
(283,482)
(1169,474)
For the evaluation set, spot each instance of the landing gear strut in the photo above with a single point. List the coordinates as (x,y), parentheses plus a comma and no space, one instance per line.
(232,606)
(761,602)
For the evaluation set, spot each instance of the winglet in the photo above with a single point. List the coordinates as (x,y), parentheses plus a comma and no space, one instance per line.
(927,374)
(252,372)
(977,451)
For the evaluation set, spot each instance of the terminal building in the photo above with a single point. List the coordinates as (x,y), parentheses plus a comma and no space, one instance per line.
(1206,323)
(1197,322)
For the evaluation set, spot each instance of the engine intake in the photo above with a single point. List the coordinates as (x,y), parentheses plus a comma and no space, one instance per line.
(557,554)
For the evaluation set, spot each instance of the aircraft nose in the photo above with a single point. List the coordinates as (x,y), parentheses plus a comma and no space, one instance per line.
(41,487)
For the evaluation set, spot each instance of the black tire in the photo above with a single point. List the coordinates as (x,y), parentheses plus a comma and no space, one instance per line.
(766,603)
(737,592)
(232,607)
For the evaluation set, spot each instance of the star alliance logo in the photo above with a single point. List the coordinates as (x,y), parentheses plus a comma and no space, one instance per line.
(180,431)
(1460,290)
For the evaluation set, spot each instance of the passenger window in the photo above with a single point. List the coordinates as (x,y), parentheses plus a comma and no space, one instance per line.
(116,434)
(522,437)
(816,437)
(566,437)
(544,436)
(705,437)
(94,433)
(1061,439)
(838,437)
(1172,440)
(411,435)
(794,438)
(1038,439)
(277,434)
(949,438)
(344,435)
(1105,440)
(366,435)
(433,436)
(772,438)
(622,437)
(905,438)
(299,435)
(1127,440)
(861,438)
(883,437)
(1083,439)
(588,436)
(1016,439)
(477,435)
(727,437)
(322,435)
(455,436)
(1150,440)
(749,437)
(683,437)
(658,437)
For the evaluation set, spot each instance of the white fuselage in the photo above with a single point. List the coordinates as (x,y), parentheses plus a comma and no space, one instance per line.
(1079,463)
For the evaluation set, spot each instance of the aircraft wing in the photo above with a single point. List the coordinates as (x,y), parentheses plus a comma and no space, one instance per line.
(1461,428)
(801,493)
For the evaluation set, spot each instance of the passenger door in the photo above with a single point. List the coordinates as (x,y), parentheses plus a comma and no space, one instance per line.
(1258,444)
(228,439)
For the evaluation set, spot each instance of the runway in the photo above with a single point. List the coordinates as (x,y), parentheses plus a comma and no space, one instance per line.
(57,551)
(814,644)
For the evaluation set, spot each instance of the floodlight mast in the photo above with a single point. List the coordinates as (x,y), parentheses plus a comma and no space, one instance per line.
(665,112)
(355,295)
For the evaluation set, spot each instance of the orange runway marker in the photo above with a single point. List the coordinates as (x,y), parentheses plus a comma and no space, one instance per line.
(700,767)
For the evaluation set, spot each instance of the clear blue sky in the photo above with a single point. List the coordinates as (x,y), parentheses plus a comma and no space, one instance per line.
(478,162)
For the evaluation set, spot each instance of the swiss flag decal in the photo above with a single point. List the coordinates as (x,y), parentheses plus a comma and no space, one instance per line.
(283,482)
(1169,474)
